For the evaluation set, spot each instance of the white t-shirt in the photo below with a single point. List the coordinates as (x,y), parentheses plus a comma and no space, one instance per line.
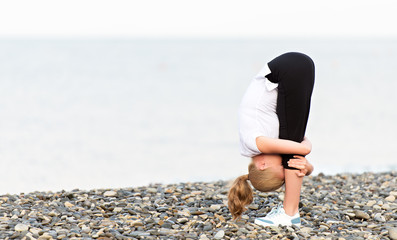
(257,113)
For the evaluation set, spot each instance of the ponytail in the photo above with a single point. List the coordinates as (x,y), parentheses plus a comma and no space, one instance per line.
(240,195)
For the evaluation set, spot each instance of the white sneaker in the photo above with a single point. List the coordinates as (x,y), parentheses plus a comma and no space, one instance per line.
(277,216)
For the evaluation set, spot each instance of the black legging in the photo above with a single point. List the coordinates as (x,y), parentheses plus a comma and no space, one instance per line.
(294,73)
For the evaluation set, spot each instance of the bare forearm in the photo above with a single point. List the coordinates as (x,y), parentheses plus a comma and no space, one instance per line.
(307,143)
(282,146)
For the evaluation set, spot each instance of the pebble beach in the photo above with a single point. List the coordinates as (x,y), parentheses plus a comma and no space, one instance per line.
(342,206)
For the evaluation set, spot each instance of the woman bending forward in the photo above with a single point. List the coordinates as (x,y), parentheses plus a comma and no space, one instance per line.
(272,122)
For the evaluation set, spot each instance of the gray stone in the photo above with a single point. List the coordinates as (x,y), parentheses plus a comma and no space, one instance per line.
(253,206)
(110,194)
(378,217)
(167,225)
(20,227)
(220,234)
(306,230)
(393,233)
(370,203)
(216,207)
(203,237)
(207,228)
(182,220)
(361,215)
(151,190)
(390,198)
(139,234)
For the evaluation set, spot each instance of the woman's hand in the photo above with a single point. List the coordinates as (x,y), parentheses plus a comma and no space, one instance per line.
(301,163)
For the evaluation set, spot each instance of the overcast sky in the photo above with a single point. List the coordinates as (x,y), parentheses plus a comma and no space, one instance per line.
(203,18)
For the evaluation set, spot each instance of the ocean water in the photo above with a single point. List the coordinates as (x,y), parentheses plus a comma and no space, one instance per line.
(101,113)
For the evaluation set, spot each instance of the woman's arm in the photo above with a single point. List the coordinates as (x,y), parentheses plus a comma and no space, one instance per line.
(301,163)
(281,146)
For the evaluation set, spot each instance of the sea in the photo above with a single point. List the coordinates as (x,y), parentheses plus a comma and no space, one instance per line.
(100,113)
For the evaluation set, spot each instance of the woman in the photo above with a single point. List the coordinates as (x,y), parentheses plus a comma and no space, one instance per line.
(276,104)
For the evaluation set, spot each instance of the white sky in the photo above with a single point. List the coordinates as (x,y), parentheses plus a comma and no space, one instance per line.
(203,18)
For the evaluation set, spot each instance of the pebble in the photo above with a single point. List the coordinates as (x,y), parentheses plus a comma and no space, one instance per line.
(151,190)
(386,206)
(45,236)
(35,230)
(306,230)
(342,206)
(216,207)
(139,234)
(393,233)
(137,223)
(69,205)
(361,215)
(253,206)
(183,220)
(85,229)
(390,198)
(110,194)
(371,203)
(117,209)
(377,207)
(378,217)
(207,228)
(220,234)
(393,193)
(21,227)
(203,237)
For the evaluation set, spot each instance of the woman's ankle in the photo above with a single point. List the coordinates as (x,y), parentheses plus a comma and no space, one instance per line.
(290,211)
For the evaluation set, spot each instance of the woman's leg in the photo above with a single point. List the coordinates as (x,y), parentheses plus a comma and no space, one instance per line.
(294,72)
(292,195)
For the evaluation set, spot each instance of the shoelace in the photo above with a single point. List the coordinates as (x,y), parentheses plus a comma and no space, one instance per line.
(275,211)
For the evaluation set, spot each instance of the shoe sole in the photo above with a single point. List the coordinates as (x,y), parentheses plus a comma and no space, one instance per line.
(262,223)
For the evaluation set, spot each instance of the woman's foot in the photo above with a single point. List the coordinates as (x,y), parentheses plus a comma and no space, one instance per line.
(277,216)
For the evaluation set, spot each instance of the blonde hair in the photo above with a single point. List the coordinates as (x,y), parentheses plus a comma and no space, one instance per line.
(241,193)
